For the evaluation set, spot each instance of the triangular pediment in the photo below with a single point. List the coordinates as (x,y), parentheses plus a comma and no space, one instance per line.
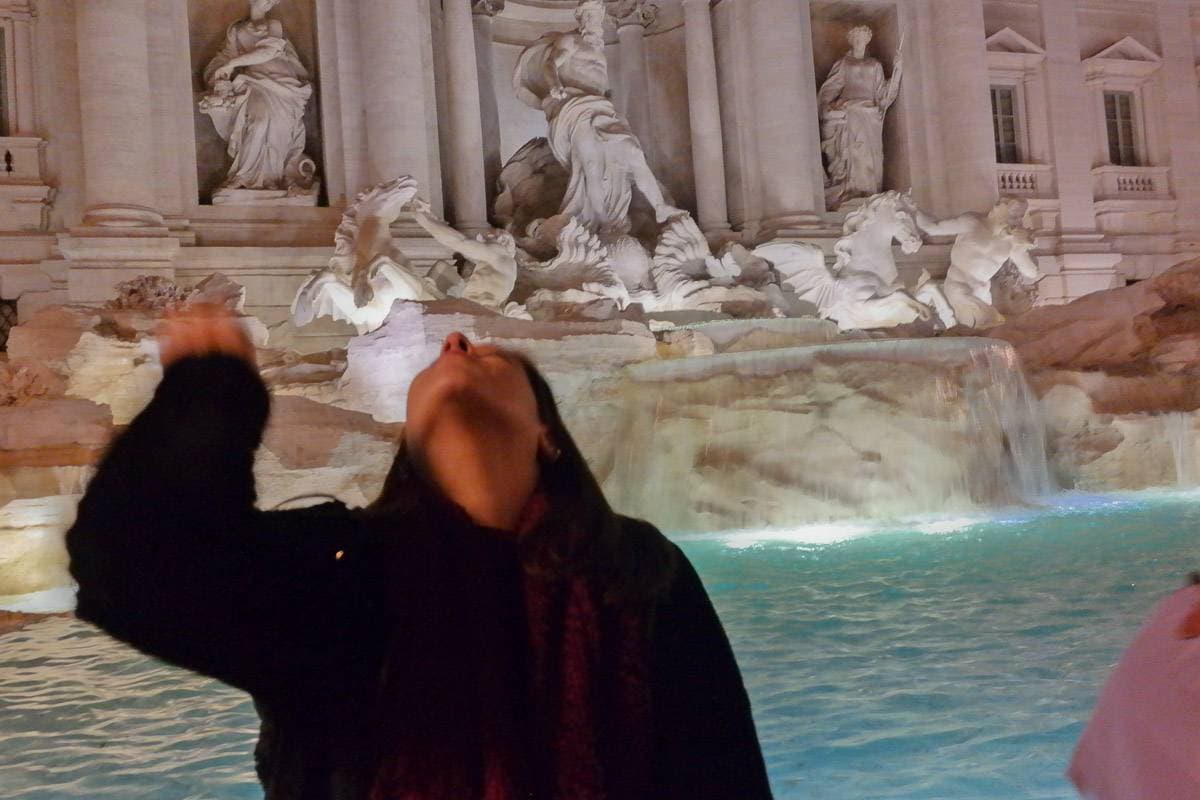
(1006,40)
(1128,49)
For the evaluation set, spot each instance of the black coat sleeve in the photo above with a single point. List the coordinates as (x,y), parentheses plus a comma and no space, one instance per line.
(705,740)
(171,556)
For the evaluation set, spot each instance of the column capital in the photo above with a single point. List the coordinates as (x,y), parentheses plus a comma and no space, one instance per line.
(633,12)
(487,8)
(696,3)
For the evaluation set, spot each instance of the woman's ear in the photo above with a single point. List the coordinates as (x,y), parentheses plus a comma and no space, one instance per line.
(548,451)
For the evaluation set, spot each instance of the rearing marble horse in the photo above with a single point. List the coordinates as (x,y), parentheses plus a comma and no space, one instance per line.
(863,289)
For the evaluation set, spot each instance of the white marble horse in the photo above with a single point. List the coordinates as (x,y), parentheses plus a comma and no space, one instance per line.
(367,272)
(863,289)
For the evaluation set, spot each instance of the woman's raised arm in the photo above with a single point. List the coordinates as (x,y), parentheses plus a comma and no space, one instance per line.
(171,555)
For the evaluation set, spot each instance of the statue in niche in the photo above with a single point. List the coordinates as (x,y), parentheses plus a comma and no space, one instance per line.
(863,289)
(257,94)
(983,245)
(565,75)
(853,102)
(367,272)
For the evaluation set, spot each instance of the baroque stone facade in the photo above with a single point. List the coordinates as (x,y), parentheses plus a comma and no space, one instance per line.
(1089,110)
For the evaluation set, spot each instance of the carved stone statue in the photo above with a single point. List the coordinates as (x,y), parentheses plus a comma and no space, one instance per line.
(682,278)
(156,294)
(863,289)
(578,272)
(565,75)
(853,102)
(367,272)
(257,93)
(982,246)
(493,254)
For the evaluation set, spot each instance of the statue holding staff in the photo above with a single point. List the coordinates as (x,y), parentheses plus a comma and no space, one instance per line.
(853,102)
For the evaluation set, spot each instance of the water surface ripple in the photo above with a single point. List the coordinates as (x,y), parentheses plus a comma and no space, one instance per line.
(904,664)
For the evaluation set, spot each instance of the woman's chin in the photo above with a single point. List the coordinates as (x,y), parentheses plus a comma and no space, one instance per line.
(448,378)
(442,398)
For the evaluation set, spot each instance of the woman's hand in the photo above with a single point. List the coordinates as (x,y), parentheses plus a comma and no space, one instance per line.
(224,73)
(203,330)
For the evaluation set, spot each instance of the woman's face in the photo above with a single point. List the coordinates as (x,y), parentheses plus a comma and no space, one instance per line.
(474,386)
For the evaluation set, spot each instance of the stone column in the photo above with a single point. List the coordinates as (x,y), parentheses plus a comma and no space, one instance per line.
(1182,117)
(704,112)
(23,57)
(468,196)
(400,108)
(785,116)
(969,152)
(123,235)
(484,11)
(1082,260)
(633,17)
(114,101)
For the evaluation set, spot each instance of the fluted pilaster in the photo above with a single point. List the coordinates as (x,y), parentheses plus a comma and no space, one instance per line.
(704,112)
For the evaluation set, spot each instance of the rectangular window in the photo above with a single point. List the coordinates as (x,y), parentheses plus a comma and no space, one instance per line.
(3,83)
(1004,124)
(1118,119)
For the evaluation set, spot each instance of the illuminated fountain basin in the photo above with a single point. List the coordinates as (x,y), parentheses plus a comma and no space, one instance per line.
(944,658)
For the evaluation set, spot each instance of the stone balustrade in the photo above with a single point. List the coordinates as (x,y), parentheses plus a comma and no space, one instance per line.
(1131,183)
(1024,180)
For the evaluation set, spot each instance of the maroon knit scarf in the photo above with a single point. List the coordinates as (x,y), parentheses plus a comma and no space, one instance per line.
(512,685)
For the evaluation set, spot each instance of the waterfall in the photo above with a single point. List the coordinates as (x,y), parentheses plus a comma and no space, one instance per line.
(1179,435)
(1003,397)
(871,429)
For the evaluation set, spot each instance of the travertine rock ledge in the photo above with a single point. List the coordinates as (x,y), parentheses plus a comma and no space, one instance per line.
(1118,373)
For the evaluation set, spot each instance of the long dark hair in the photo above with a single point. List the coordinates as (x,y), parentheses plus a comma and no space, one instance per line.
(580,534)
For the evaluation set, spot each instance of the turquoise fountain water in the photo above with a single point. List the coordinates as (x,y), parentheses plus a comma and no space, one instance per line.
(946,658)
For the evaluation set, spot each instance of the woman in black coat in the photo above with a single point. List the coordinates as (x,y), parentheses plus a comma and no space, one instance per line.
(488,628)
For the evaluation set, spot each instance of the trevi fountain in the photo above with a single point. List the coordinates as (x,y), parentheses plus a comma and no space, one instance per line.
(924,416)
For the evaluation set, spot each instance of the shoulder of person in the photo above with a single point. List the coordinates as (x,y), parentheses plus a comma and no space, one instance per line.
(649,549)
(634,526)
(642,534)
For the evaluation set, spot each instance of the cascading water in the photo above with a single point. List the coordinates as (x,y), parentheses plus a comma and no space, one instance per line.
(856,430)
(1181,438)
(1002,397)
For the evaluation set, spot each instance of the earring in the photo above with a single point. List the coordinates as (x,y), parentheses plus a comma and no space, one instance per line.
(553,454)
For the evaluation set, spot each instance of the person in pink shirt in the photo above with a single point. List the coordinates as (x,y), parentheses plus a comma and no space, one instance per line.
(1143,741)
